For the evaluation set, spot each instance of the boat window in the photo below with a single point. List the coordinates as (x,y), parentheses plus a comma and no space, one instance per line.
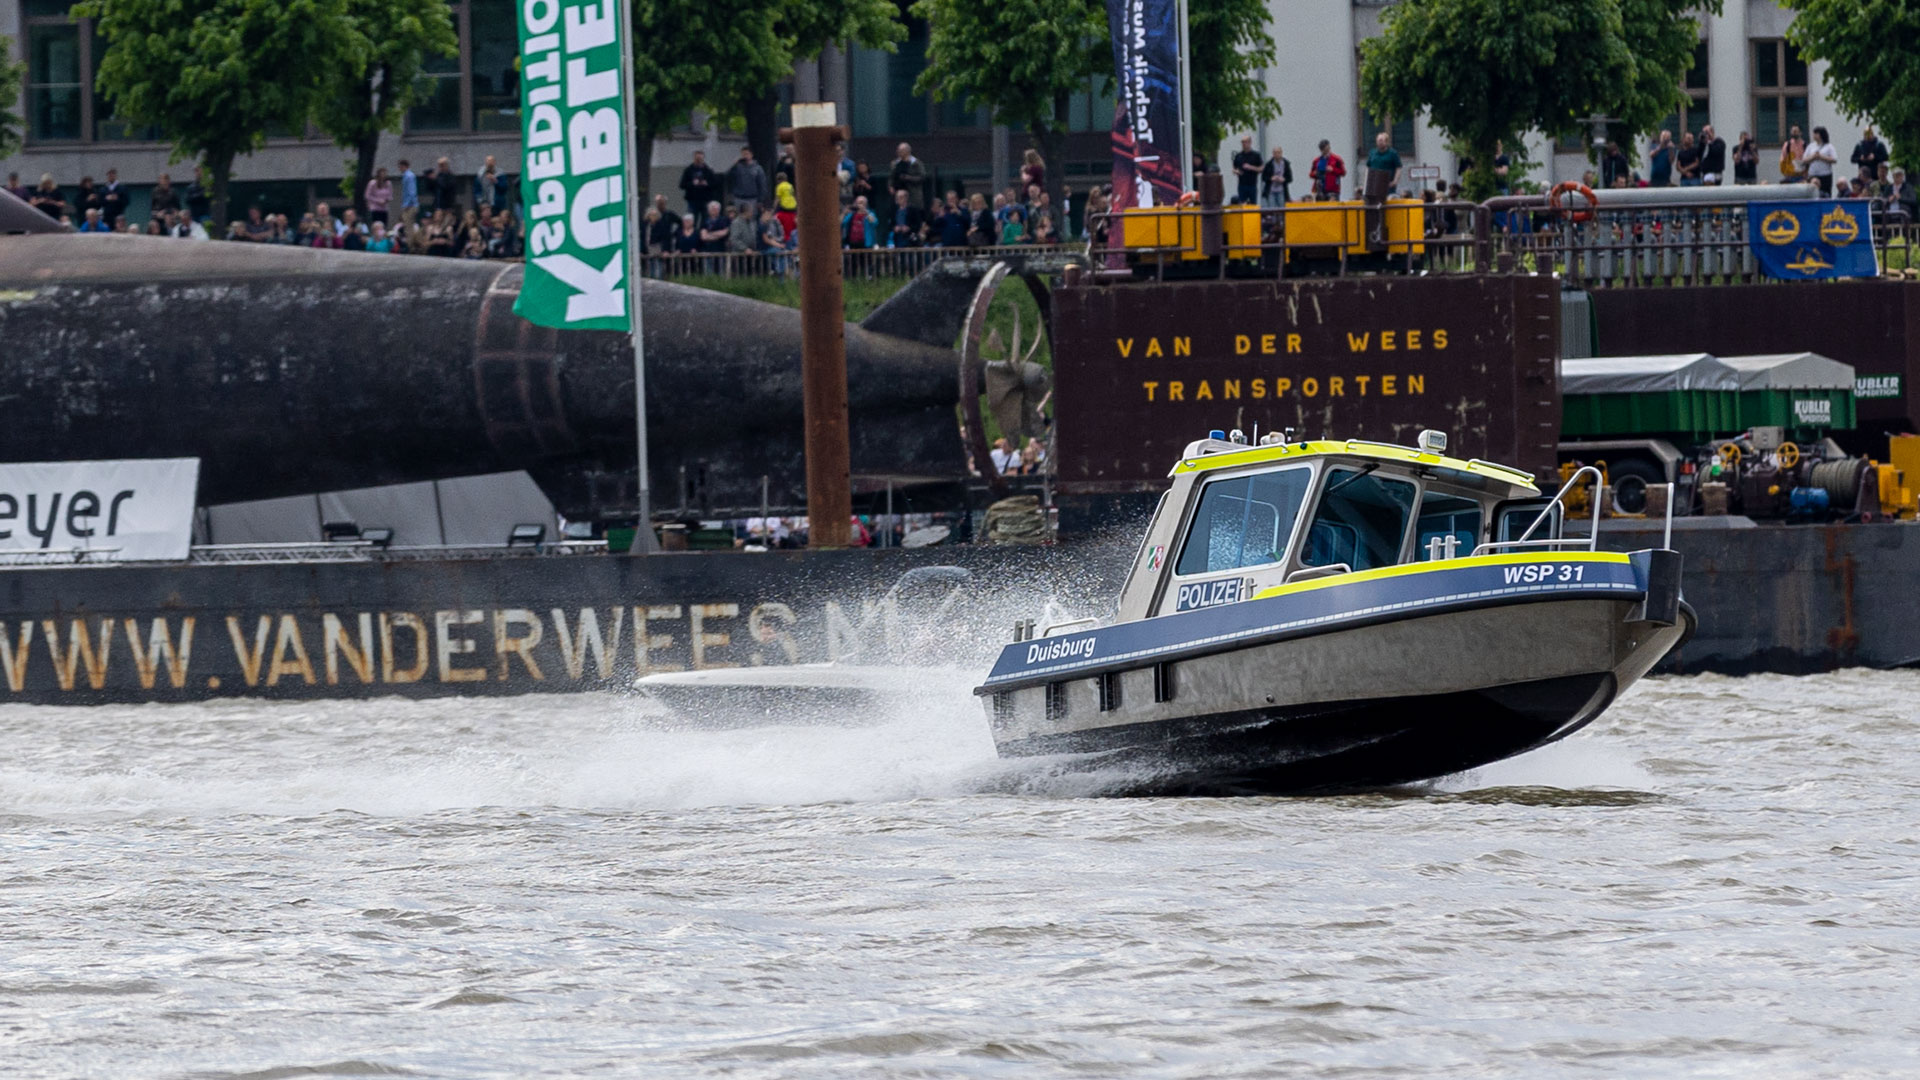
(1361,521)
(1519,515)
(1244,521)
(1443,517)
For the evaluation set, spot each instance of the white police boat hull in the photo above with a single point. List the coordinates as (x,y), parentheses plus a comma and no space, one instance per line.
(1364,680)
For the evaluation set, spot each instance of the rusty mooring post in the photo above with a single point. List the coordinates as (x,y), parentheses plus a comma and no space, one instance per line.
(823,345)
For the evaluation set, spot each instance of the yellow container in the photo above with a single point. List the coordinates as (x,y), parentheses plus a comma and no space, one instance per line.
(1241,226)
(1162,227)
(1344,225)
(1406,227)
(1329,224)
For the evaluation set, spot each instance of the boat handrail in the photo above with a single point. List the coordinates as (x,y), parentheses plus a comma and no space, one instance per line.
(1546,512)
(1493,547)
(1070,625)
(1308,573)
(1592,540)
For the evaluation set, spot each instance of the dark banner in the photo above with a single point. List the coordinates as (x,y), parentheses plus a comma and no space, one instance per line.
(1146,121)
(1822,238)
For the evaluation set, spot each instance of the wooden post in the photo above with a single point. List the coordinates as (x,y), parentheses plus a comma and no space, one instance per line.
(823,346)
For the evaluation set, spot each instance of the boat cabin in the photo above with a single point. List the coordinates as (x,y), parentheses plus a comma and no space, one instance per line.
(1243,518)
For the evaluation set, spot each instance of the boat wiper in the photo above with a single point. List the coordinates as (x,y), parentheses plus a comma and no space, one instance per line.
(1365,470)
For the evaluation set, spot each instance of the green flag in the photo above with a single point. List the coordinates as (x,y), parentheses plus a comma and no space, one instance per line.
(574,173)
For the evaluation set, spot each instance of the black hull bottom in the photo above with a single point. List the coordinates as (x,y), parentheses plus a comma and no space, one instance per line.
(1334,746)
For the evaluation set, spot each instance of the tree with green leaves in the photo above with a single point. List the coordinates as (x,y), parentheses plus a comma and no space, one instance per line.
(1230,46)
(215,75)
(1021,59)
(1492,70)
(684,51)
(12,78)
(730,59)
(396,39)
(1868,48)
(805,29)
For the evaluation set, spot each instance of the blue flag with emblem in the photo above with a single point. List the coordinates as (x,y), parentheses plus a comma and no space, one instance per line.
(1815,238)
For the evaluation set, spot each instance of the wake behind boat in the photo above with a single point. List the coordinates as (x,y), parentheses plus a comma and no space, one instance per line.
(1328,615)
(868,686)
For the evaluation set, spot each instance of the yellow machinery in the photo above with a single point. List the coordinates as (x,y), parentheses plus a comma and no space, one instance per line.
(1313,230)
(1898,477)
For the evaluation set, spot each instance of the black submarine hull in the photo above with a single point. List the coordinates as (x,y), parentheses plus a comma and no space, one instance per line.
(289,370)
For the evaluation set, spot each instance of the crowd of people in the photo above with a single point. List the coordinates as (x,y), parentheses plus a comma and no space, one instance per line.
(748,209)
(1705,160)
(436,212)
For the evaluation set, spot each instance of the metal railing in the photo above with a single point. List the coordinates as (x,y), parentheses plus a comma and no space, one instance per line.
(59,557)
(359,551)
(854,262)
(1559,499)
(1654,240)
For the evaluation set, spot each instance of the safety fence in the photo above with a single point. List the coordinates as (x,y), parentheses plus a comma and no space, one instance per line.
(1659,244)
(854,262)
(1647,242)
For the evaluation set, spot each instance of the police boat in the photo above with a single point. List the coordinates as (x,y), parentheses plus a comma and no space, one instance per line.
(1323,615)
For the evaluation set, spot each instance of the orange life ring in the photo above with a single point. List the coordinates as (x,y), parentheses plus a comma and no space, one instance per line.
(1189,199)
(1556,199)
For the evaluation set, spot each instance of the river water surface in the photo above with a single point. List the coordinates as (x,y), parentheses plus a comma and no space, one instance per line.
(1720,878)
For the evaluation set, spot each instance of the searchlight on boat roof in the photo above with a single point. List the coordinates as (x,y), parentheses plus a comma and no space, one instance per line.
(1433,442)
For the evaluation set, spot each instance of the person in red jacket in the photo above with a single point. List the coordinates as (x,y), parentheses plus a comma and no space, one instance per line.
(1327,171)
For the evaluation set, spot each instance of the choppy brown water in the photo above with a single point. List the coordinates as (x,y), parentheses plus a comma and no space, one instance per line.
(1720,878)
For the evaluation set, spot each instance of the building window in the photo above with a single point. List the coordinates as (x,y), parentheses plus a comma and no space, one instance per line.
(1398,128)
(883,102)
(1695,111)
(56,87)
(492,74)
(1779,91)
(477,88)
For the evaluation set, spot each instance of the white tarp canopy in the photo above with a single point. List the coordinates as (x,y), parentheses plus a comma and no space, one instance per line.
(1643,374)
(466,511)
(1791,371)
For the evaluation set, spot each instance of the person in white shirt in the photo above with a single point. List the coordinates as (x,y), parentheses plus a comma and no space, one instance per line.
(1003,456)
(1818,160)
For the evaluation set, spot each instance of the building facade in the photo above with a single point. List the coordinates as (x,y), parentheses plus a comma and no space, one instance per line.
(1745,78)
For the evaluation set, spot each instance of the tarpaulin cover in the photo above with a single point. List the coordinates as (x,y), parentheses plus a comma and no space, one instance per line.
(1790,371)
(469,510)
(1644,374)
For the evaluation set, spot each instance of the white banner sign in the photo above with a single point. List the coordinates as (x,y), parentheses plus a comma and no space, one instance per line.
(124,510)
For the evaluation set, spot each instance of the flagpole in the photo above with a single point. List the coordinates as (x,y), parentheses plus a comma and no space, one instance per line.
(1187,179)
(644,541)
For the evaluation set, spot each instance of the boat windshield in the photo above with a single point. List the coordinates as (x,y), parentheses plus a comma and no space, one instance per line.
(1449,527)
(1244,521)
(1361,521)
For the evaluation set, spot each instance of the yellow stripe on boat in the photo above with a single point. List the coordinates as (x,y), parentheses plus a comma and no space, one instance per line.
(1468,562)
(1254,455)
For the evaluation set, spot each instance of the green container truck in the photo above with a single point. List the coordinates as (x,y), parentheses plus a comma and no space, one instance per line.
(1692,397)
(1805,393)
(1642,415)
